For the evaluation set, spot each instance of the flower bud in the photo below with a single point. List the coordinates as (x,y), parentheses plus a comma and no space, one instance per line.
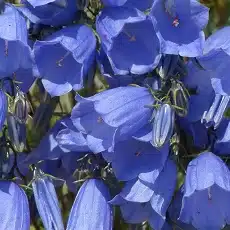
(214,115)
(20,107)
(163,125)
(91,209)
(17,132)
(179,98)
(47,201)
(14,212)
(4,107)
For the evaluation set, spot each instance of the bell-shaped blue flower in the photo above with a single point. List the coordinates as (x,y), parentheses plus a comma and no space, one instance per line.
(140,5)
(215,114)
(64,58)
(49,12)
(163,125)
(91,209)
(15,52)
(179,25)
(14,212)
(121,32)
(132,158)
(112,115)
(47,201)
(141,200)
(207,193)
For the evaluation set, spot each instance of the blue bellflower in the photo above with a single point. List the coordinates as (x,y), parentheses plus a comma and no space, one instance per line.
(112,115)
(15,51)
(47,201)
(49,12)
(207,193)
(14,212)
(91,209)
(64,58)
(121,32)
(140,5)
(133,158)
(179,25)
(4,108)
(140,201)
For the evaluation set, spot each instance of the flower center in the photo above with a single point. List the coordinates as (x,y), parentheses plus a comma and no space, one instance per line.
(132,38)
(59,62)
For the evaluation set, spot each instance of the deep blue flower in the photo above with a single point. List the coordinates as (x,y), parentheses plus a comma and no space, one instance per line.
(133,158)
(163,125)
(14,212)
(199,85)
(49,12)
(121,32)
(47,201)
(215,114)
(142,201)
(13,42)
(64,58)
(179,25)
(141,5)
(112,115)
(207,193)
(91,209)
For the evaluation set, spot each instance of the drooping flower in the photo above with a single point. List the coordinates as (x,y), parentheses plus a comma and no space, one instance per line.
(64,58)
(14,212)
(47,201)
(133,158)
(121,32)
(141,5)
(15,52)
(179,25)
(91,209)
(207,193)
(148,200)
(112,115)
(49,12)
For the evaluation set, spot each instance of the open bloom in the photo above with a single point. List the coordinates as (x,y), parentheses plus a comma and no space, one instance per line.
(112,115)
(64,58)
(207,193)
(179,25)
(121,32)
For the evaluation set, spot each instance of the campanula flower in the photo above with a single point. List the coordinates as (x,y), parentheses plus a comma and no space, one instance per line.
(150,200)
(91,209)
(179,25)
(138,157)
(121,32)
(14,212)
(15,52)
(47,201)
(64,58)
(163,125)
(49,12)
(112,115)
(207,193)
(141,5)
(215,114)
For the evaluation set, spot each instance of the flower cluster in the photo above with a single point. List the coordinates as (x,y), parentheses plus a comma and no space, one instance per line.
(144,125)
